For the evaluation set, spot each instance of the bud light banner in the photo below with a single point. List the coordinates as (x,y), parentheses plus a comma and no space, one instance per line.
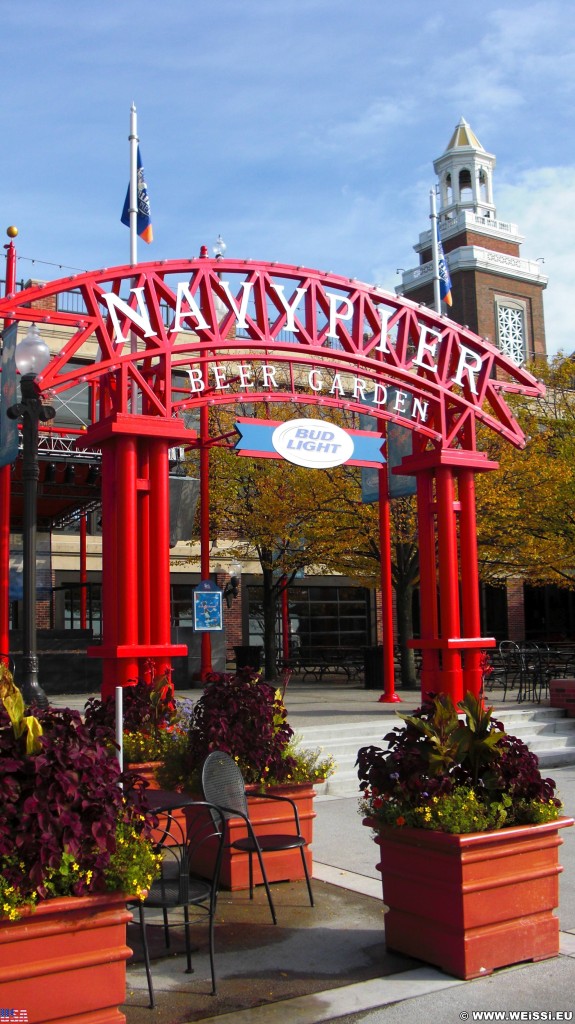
(315,444)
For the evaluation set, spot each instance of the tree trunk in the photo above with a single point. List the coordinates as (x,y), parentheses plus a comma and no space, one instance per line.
(270,611)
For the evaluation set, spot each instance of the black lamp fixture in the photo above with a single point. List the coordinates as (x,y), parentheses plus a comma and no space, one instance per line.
(32,356)
(92,474)
(232,587)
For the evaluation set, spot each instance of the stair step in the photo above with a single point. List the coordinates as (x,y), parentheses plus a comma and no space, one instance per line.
(546,731)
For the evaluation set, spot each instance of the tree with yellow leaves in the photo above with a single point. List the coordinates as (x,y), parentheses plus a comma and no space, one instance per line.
(526,509)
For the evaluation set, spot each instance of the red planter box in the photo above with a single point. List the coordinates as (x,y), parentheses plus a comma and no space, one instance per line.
(471,903)
(66,960)
(562,695)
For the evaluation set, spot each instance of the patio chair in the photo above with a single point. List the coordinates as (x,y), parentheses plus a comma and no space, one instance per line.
(223,784)
(181,836)
(513,666)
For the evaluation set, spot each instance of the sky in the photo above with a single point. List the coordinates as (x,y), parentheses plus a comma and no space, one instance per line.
(302,132)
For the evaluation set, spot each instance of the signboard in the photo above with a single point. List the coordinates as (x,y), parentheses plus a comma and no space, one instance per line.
(207,607)
(8,427)
(315,444)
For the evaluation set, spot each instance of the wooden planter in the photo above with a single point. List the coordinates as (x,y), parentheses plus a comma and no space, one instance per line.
(268,817)
(471,903)
(66,960)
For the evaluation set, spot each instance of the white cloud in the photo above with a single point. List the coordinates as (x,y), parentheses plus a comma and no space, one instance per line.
(540,202)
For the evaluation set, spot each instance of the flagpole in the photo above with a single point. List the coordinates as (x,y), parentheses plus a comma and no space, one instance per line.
(133,138)
(434,251)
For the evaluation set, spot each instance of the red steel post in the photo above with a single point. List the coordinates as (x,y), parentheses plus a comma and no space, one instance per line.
(389,696)
(206,651)
(430,670)
(128,579)
(451,674)
(159,537)
(109,567)
(145,544)
(470,608)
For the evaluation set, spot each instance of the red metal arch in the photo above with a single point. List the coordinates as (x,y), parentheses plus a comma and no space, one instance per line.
(125,334)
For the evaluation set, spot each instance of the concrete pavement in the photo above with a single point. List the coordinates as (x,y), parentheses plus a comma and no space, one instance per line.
(329,962)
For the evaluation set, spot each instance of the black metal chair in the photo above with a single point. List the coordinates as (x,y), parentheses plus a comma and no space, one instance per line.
(513,667)
(223,784)
(182,832)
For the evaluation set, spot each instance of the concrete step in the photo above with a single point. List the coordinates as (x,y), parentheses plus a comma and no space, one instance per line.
(546,731)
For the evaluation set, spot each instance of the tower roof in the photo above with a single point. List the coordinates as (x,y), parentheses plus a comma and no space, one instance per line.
(463,136)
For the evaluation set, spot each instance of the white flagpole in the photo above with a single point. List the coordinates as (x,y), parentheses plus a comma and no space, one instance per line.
(133,137)
(434,252)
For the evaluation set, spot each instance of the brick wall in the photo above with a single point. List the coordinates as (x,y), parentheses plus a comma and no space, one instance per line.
(473,306)
(515,612)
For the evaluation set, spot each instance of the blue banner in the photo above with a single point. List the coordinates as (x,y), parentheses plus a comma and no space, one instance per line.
(256,438)
(8,427)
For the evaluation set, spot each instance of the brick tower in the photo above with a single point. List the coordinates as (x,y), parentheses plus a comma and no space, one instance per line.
(496,292)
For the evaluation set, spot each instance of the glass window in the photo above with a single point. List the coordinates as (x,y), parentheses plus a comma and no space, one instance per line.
(335,616)
(72,607)
(182,595)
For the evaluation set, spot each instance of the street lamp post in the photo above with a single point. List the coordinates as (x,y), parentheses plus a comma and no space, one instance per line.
(32,356)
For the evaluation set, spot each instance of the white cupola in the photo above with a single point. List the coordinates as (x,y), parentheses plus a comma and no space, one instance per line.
(465,174)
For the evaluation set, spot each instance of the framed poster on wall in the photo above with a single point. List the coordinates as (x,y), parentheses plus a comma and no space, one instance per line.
(207,607)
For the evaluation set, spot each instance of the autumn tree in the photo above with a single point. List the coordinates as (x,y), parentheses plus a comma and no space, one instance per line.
(526,509)
(286,514)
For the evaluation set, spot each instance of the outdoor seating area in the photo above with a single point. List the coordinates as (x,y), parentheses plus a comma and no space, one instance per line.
(191,836)
(319,663)
(524,670)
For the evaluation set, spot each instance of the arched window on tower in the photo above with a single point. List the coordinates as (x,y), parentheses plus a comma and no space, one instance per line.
(483,186)
(448,190)
(465,186)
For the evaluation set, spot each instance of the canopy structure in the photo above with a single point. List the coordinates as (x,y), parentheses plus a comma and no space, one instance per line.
(148,344)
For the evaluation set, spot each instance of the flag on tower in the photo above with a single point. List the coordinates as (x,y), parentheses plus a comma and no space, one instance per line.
(444,278)
(144,220)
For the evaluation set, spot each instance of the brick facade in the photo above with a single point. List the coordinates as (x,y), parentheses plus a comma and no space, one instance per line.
(474,296)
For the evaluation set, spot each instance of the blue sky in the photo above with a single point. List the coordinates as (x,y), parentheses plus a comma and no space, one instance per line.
(303,132)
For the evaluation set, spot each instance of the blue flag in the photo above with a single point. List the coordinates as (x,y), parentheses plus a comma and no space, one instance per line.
(444,278)
(144,221)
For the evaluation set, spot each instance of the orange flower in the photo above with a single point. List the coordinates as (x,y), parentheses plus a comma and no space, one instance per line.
(400,821)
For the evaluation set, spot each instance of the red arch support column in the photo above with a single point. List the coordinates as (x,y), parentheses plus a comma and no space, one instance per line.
(135,551)
(470,608)
(450,622)
(430,665)
(159,537)
(450,619)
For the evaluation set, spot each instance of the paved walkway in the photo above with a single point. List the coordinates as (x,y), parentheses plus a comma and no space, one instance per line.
(329,962)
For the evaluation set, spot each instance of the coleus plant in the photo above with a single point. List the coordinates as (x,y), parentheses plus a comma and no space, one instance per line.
(71,823)
(454,772)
